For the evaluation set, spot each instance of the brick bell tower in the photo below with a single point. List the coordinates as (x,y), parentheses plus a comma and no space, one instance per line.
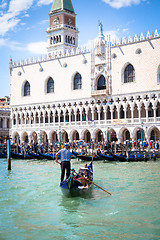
(62,33)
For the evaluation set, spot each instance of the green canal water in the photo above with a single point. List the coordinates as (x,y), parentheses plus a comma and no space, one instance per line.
(32,206)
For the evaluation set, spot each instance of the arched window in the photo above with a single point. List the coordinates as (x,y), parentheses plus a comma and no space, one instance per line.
(101,84)
(77,83)
(27,89)
(50,85)
(129,74)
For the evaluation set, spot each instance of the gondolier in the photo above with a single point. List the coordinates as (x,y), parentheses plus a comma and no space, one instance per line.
(65,155)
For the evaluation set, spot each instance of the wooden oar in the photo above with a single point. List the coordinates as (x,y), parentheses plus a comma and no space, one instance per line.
(93,183)
(90,181)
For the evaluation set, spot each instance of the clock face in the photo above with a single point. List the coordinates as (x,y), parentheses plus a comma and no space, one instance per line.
(56,20)
(69,21)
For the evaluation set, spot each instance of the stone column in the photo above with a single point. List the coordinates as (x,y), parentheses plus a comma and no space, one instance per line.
(59,115)
(139,113)
(105,117)
(49,117)
(146,108)
(54,117)
(132,115)
(118,112)
(81,115)
(16,120)
(34,114)
(29,118)
(4,122)
(125,112)
(155,119)
(99,115)
(92,112)
(75,116)
(29,138)
(111,114)
(70,117)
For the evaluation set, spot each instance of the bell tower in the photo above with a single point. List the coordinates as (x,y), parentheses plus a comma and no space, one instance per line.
(62,33)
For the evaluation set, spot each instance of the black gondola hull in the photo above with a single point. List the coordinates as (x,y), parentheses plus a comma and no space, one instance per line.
(89,158)
(73,187)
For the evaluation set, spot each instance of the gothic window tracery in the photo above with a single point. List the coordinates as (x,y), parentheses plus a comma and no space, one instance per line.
(77,82)
(101,83)
(129,74)
(27,89)
(50,85)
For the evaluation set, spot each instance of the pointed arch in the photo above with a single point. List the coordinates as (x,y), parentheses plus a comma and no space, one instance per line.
(128,73)
(50,85)
(77,81)
(26,88)
(101,83)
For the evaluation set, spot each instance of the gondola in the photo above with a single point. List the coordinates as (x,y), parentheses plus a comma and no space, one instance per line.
(106,157)
(89,158)
(47,156)
(20,156)
(3,155)
(76,185)
(36,156)
(134,157)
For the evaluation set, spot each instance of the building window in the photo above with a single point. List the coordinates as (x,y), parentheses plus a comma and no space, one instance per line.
(77,83)
(101,84)
(50,85)
(27,89)
(129,74)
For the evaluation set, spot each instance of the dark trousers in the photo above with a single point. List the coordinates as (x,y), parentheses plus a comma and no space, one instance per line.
(65,165)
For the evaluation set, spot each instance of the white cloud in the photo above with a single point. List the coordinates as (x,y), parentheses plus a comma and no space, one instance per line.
(44,2)
(7,23)
(37,47)
(11,44)
(122,3)
(3,5)
(18,6)
(112,34)
(125,30)
(34,47)
(10,19)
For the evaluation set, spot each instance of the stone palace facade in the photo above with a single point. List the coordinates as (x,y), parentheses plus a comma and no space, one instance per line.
(107,92)
(5,122)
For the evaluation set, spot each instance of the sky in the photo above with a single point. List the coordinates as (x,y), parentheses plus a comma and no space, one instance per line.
(23,25)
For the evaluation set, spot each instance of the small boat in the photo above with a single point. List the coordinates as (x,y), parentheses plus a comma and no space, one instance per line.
(47,156)
(20,156)
(36,156)
(134,157)
(106,157)
(77,185)
(3,155)
(89,158)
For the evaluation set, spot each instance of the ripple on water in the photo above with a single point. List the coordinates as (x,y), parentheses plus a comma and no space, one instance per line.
(33,207)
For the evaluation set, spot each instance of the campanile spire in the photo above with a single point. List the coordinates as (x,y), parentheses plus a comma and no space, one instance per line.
(62,32)
(62,5)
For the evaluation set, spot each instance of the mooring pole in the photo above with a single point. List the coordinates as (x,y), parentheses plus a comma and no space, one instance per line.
(9,153)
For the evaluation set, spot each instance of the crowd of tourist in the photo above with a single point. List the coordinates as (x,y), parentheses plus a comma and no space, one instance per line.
(82,146)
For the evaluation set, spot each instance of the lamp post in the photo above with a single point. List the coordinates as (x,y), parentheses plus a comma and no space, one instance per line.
(108,134)
(60,135)
(142,134)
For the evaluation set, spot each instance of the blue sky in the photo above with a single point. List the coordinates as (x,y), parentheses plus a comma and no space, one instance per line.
(23,25)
